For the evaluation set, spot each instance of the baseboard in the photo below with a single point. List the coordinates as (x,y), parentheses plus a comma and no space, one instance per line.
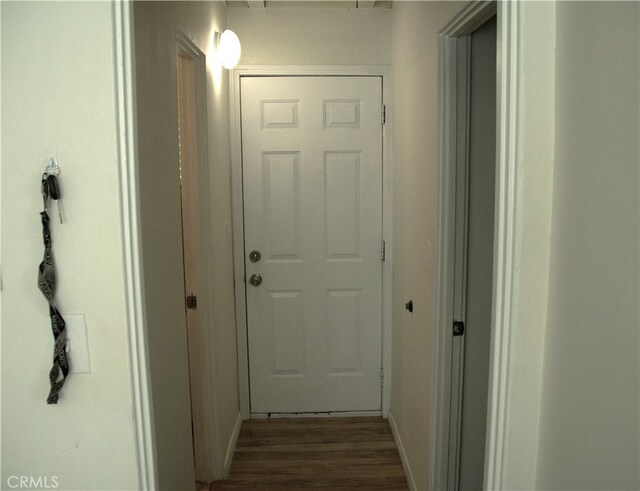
(403,456)
(231,448)
(221,471)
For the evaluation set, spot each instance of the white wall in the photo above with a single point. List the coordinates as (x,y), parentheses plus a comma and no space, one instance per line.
(58,97)
(415,26)
(156,24)
(312,36)
(589,430)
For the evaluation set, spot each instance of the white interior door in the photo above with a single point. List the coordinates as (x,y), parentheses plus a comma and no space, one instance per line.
(312,178)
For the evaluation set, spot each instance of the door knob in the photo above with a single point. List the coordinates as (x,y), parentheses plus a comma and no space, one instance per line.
(254,256)
(255,279)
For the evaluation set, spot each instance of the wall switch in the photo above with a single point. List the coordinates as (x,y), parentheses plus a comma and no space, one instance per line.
(77,343)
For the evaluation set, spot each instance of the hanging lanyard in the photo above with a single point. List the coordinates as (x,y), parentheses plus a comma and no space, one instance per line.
(47,285)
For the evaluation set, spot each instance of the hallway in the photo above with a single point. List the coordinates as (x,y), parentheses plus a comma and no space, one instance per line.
(95,84)
(324,453)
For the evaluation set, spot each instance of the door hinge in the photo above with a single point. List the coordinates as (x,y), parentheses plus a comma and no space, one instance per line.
(383,250)
(458,328)
(384,114)
(381,377)
(192,302)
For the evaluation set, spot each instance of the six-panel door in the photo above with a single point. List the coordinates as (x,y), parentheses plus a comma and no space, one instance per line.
(312,176)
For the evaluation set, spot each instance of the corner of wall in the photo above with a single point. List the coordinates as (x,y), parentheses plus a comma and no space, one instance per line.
(402,452)
(157,24)
(536,131)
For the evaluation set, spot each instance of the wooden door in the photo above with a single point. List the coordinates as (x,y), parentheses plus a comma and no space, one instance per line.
(188,148)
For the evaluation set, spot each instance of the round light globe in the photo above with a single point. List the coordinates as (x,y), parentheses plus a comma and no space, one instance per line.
(229,49)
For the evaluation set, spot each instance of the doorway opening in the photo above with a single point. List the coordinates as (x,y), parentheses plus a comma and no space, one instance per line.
(187,137)
(340,169)
(191,105)
(473,280)
(468,214)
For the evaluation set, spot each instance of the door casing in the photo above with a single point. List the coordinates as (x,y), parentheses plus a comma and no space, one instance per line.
(454,72)
(507,236)
(238,213)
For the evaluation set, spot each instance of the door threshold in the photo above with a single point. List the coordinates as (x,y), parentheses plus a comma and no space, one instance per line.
(326,414)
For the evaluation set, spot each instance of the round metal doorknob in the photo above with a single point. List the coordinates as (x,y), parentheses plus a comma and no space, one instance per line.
(255,279)
(254,256)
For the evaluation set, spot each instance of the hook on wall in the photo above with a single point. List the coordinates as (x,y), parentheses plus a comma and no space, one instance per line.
(52,169)
(49,186)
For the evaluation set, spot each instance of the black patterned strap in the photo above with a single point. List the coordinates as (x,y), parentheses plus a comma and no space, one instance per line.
(47,284)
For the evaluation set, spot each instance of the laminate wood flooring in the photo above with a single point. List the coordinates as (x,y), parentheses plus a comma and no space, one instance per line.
(320,453)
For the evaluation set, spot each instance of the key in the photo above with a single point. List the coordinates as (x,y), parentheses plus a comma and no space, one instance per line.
(54,192)
(59,210)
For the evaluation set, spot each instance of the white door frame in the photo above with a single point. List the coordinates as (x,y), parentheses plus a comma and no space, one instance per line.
(129,203)
(238,215)
(506,237)
(454,59)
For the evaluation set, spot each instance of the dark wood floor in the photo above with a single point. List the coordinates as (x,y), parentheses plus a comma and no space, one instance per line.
(323,453)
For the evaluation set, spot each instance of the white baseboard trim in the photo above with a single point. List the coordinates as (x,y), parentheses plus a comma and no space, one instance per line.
(231,448)
(403,456)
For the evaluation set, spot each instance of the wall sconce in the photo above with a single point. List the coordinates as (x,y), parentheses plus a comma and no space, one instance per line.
(227,46)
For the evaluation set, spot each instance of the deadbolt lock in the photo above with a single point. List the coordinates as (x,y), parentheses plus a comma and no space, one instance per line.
(254,256)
